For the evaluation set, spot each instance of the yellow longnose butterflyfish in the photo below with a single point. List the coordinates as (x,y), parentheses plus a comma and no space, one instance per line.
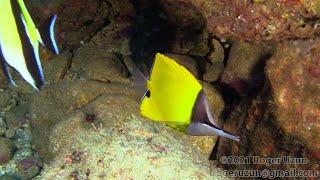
(19,42)
(174,96)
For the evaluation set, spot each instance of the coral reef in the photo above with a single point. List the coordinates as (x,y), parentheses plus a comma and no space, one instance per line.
(294,75)
(260,20)
(215,66)
(244,69)
(283,119)
(120,145)
(18,159)
(258,62)
(79,21)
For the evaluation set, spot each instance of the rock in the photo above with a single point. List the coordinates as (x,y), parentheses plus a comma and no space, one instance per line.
(3,80)
(23,138)
(6,150)
(2,131)
(312,6)
(27,169)
(10,133)
(3,123)
(215,99)
(57,101)
(244,70)
(283,119)
(96,64)
(183,14)
(25,163)
(129,63)
(55,69)
(294,76)
(78,22)
(9,177)
(205,144)
(71,145)
(112,150)
(108,111)
(22,154)
(114,38)
(259,20)
(5,98)
(190,43)
(22,86)
(191,34)
(189,63)
(256,121)
(17,115)
(42,4)
(7,101)
(215,67)
(76,147)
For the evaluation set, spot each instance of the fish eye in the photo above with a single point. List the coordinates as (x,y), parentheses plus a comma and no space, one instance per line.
(148,93)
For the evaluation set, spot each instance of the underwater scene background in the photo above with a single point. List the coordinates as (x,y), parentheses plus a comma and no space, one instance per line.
(257,61)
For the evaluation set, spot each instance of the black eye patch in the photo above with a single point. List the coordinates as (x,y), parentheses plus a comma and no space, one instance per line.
(148,93)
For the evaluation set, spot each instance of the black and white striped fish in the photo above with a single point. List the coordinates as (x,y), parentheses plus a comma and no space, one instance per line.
(19,42)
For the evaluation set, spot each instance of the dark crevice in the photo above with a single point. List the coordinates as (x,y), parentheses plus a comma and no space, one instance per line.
(83,108)
(311,20)
(150,37)
(230,97)
(106,21)
(68,66)
(125,71)
(213,154)
(101,81)
(88,23)
(227,48)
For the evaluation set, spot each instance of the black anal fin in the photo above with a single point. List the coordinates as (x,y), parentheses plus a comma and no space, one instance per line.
(47,34)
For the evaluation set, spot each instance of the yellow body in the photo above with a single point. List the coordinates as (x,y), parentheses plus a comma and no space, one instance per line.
(173,92)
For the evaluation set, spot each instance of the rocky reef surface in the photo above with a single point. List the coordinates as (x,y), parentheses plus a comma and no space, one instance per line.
(260,19)
(258,62)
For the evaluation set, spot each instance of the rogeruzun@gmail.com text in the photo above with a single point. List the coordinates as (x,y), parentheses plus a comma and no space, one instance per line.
(267,161)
